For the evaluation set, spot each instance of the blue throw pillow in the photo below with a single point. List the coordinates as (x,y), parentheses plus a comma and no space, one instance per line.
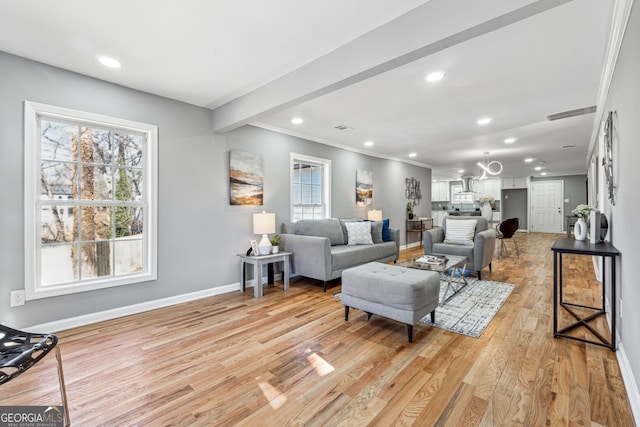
(385,230)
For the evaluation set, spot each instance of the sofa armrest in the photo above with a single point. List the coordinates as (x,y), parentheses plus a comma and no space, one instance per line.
(394,234)
(484,246)
(435,235)
(310,255)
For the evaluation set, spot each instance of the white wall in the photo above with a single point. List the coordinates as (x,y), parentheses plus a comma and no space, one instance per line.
(199,232)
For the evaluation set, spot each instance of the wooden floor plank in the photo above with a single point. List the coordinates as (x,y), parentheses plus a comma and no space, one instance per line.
(290,358)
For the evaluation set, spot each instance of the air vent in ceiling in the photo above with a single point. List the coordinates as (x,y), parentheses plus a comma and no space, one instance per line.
(343,127)
(569,146)
(572,113)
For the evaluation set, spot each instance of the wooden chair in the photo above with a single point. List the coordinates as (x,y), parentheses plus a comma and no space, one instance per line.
(20,350)
(505,230)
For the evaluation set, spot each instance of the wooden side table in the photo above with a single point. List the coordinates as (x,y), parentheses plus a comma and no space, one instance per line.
(565,245)
(257,262)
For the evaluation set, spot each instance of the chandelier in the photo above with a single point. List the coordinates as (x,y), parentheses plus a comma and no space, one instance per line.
(493,167)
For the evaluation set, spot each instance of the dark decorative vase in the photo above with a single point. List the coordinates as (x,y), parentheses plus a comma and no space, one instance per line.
(604,226)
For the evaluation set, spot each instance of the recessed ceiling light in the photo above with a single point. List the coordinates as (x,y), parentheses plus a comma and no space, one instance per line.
(413,154)
(510,140)
(538,168)
(297,121)
(368,143)
(529,159)
(109,62)
(460,170)
(435,76)
(543,173)
(484,120)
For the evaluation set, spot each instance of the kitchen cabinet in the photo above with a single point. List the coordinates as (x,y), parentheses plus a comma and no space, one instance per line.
(509,183)
(487,186)
(440,191)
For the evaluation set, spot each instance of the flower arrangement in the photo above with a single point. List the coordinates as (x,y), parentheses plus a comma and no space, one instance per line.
(486,198)
(582,211)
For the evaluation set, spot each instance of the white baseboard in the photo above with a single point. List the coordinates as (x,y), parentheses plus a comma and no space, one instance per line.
(630,384)
(101,316)
(411,245)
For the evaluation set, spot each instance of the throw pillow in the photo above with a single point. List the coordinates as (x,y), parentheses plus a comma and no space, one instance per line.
(460,232)
(376,231)
(359,233)
(386,237)
(343,221)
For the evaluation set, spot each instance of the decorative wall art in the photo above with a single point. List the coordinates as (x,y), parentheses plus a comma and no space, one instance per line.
(364,188)
(412,190)
(245,178)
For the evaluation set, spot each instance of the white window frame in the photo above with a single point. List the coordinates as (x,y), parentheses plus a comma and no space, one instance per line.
(32,202)
(326,180)
(456,197)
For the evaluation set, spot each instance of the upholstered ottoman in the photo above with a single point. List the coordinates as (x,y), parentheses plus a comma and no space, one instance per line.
(399,293)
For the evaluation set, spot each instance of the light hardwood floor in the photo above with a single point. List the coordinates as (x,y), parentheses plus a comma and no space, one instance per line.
(291,359)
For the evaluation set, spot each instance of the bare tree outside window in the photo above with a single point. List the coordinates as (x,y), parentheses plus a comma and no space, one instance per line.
(97,173)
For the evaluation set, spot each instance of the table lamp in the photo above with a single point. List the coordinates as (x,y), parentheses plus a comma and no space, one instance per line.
(374,215)
(264,223)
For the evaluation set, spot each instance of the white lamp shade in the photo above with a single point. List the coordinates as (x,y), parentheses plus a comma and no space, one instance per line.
(374,215)
(264,223)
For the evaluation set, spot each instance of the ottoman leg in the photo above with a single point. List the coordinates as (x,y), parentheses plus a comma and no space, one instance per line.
(433,316)
(410,332)
(368,315)
(346,312)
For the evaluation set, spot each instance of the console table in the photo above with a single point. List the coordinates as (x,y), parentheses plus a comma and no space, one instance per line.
(417,226)
(258,261)
(565,245)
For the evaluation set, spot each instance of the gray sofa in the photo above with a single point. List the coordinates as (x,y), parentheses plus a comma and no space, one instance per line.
(319,248)
(479,254)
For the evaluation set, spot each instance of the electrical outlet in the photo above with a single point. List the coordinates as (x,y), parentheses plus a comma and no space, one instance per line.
(620,309)
(17,298)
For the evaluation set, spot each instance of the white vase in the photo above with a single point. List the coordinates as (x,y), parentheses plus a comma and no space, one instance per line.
(487,212)
(580,229)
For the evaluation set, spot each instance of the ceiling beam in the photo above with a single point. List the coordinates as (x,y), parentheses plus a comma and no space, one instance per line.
(427,29)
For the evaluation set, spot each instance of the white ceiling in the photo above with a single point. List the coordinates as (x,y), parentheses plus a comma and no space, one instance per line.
(360,63)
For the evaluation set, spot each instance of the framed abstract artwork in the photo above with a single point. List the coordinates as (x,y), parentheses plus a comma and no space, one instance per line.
(245,178)
(364,188)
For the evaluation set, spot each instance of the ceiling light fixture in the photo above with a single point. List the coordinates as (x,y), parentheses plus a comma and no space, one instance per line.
(543,173)
(484,121)
(368,143)
(529,159)
(493,167)
(413,154)
(510,140)
(109,62)
(460,170)
(435,76)
(297,121)
(538,168)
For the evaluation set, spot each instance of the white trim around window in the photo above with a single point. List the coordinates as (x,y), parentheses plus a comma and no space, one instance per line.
(38,205)
(319,208)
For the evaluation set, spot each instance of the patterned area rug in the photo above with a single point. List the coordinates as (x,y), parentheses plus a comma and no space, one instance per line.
(471,310)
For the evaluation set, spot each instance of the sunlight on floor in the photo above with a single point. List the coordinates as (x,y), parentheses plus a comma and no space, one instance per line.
(321,366)
(275,398)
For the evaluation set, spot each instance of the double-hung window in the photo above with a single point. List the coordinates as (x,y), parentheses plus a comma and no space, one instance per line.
(310,187)
(90,201)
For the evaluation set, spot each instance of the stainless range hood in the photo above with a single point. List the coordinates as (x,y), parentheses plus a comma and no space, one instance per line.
(467,185)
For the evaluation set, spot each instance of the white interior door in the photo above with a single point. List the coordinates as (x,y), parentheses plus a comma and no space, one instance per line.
(546,206)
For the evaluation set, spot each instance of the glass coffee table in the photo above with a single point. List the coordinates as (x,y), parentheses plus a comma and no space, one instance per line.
(453,265)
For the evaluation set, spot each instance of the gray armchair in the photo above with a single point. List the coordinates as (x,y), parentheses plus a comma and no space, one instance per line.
(479,254)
